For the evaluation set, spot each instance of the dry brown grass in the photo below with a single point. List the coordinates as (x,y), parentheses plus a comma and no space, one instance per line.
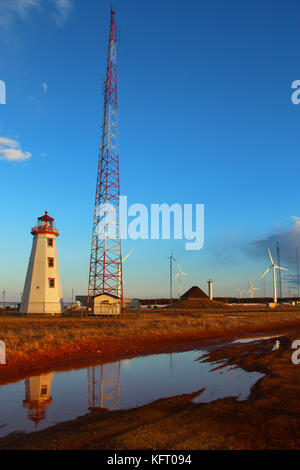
(27,334)
(39,342)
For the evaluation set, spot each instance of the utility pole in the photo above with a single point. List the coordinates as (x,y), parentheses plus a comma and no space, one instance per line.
(279,273)
(297,266)
(171,258)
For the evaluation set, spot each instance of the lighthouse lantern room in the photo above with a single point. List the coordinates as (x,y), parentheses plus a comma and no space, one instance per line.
(42,291)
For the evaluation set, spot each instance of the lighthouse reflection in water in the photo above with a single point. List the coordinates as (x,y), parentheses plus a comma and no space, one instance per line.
(103,391)
(59,396)
(38,399)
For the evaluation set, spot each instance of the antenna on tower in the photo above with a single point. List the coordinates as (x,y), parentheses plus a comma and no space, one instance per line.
(105,274)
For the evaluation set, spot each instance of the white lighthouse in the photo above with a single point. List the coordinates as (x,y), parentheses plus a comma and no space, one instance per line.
(42,291)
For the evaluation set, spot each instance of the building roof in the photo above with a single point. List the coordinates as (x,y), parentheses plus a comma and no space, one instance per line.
(105,293)
(194,293)
(46,217)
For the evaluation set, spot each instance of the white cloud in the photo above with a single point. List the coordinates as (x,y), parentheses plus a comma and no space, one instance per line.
(45,87)
(62,10)
(13,10)
(10,10)
(10,150)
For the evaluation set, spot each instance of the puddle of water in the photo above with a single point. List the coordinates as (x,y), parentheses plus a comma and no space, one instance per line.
(255,338)
(41,401)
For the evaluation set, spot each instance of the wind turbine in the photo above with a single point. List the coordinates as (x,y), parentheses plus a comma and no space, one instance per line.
(179,274)
(274,267)
(252,289)
(240,291)
(3,296)
(171,258)
(121,273)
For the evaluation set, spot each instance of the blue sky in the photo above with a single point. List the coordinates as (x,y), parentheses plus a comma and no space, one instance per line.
(205,116)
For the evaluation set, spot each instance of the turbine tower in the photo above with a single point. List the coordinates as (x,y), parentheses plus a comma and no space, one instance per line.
(252,289)
(124,259)
(179,276)
(274,267)
(106,259)
(279,273)
(240,291)
(171,258)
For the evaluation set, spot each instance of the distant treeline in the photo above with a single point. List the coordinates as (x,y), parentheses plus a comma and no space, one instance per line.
(227,300)
(255,300)
(156,301)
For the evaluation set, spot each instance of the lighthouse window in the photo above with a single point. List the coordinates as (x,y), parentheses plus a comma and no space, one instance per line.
(50,241)
(50,262)
(51,282)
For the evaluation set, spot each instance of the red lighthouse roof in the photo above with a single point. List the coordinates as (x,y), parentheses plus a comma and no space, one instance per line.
(45,225)
(46,217)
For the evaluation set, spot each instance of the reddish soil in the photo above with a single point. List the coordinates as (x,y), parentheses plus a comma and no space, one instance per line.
(106,350)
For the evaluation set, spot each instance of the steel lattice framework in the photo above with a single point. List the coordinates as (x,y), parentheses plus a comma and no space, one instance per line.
(106,259)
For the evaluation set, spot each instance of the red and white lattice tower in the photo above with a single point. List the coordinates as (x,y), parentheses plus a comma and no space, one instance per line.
(106,259)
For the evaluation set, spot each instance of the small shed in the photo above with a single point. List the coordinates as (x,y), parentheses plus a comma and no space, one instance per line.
(106,304)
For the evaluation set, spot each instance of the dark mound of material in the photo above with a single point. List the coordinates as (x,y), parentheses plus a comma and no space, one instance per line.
(194,293)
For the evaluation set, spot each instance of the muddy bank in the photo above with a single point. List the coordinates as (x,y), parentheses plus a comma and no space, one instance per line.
(269,419)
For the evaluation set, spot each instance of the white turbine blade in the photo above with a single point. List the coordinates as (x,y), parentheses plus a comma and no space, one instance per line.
(124,259)
(270,256)
(266,272)
(178,274)
(279,267)
(184,274)
(179,270)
